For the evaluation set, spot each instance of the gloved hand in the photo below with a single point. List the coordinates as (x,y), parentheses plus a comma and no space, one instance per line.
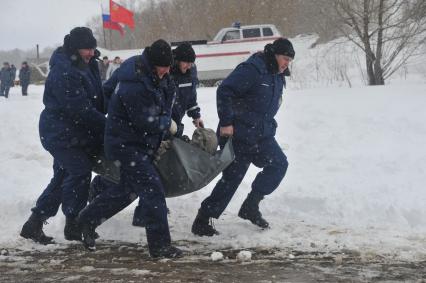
(227,131)
(198,123)
(173,128)
(164,147)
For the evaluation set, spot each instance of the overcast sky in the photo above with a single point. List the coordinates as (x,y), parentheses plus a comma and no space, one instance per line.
(25,23)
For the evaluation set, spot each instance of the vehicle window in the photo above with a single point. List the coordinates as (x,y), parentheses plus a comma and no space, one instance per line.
(251,32)
(232,34)
(267,32)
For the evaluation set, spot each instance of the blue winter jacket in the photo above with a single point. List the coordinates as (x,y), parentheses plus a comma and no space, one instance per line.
(6,76)
(186,96)
(108,88)
(24,76)
(139,112)
(249,99)
(73,115)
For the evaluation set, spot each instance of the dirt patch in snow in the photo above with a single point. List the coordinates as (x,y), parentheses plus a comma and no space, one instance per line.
(128,262)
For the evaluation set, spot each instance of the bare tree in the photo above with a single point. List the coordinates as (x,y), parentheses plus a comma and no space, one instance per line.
(389,32)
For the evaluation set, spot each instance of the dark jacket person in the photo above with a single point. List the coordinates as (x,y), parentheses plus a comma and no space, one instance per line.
(71,129)
(24,77)
(6,78)
(184,74)
(13,70)
(139,117)
(247,102)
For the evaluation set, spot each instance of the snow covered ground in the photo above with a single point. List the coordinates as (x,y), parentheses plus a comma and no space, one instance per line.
(356,179)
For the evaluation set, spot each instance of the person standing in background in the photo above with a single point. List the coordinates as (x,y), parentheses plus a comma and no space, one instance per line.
(103,68)
(24,77)
(13,70)
(114,65)
(6,78)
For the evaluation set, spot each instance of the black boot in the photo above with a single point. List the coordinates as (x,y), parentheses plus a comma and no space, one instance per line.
(72,231)
(167,252)
(33,229)
(250,210)
(89,236)
(202,225)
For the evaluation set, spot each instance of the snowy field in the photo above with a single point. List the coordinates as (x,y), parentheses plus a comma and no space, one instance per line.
(356,178)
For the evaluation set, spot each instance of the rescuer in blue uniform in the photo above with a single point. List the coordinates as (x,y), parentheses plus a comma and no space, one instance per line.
(247,102)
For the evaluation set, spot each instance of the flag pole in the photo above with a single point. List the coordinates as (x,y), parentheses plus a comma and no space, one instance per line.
(110,40)
(103,29)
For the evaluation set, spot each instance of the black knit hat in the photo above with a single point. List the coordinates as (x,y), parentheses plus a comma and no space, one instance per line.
(160,54)
(283,46)
(80,38)
(184,52)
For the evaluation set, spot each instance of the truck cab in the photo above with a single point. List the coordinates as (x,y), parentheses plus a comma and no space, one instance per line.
(238,33)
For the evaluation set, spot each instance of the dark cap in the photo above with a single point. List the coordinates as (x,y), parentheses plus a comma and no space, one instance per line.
(283,46)
(160,54)
(184,52)
(80,38)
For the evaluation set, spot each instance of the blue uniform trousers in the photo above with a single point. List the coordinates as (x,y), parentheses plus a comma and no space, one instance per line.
(267,155)
(4,89)
(69,185)
(138,179)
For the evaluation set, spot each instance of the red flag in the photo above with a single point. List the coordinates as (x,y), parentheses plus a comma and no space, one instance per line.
(111,25)
(119,14)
